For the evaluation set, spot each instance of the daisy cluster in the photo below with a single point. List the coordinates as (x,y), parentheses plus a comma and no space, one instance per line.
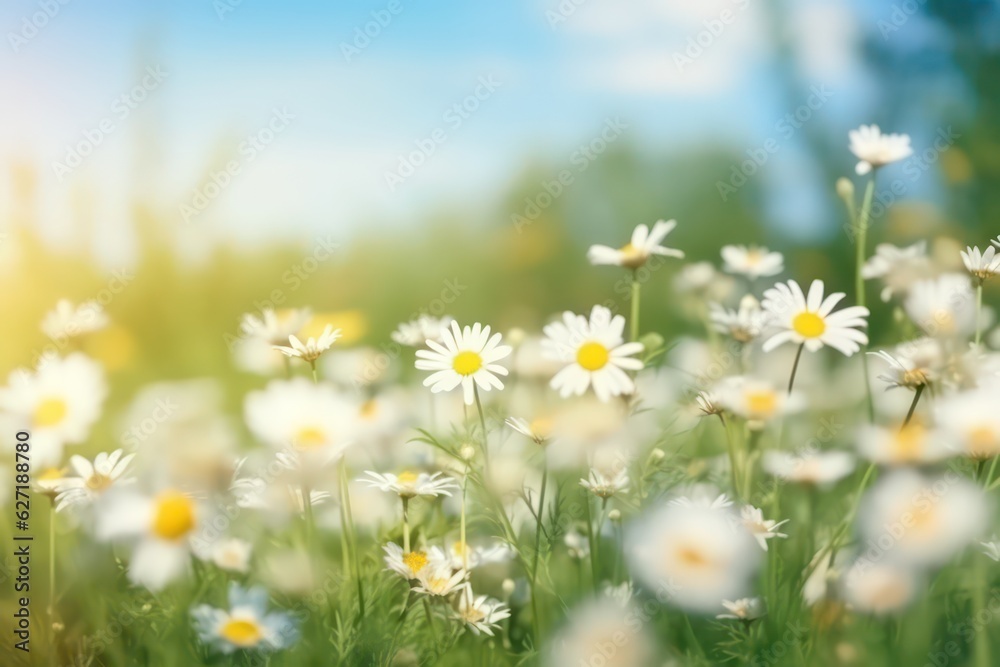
(550,491)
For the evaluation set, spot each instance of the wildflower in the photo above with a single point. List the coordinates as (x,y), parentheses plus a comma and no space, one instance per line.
(416,333)
(743,325)
(275,327)
(410,485)
(92,479)
(409,565)
(903,371)
(538,430)
(874,149)
(991,549)
(708,403)
(637,252)
(598,629)
(982,265)
(809,467)
(944,306)
(439,581)
(466,357)
(605,485)
(58,404)
(754,400)
(481,613)
(313,348)
(811,320)
(753,262)
(970,421)
(914,443)
(878,588)
(232,555)
(762,529)
(899,268)
(67,320)
(744,609)
(246,624)
(314,419)
(595,352)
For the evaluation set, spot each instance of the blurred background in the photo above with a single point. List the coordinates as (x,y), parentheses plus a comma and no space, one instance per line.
(186,162)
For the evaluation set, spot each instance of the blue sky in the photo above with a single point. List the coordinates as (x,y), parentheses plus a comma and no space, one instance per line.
(353,119)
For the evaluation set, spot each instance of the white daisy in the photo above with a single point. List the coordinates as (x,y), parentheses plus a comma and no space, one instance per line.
(744,609)
(743,325)
(92,479)
(231,555)
(762,529)
(416,333)
(466,357)
(439,581)
(539,430)
(944,306)
(595,352)
(410,485)
(874,149)
(991,549)
(469,557)
(708,403)
(809,320)
(702,554)
(910,519)
(481,613)
(970,421)
(636,252)
(983,265)
(597,633)
(753,262)
(58,404)
(164,526)
(315,420)
(246,624)
(754,400)
(898,267)
(809,467)
(67,320)
(313,348)
(878,588)
(912,444)
(409,565)
(604,484)
(906,370)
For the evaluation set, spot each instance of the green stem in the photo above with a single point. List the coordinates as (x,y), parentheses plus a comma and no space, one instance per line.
(406,525)
(350,534)
(591,542)
(52,581)
(312,365)
(860,241)
(979,311)
(982,644)
(634,324)
(795,367)
(538,545)
(733,464)
(913,405)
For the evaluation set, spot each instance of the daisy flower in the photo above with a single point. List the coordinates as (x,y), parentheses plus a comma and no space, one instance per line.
(469,557)
(538,430)
(753,262)
(898,267)
(701,280)
(943,306)
(92,479)
(743,325)
(231,555)
(47,483)
(466,357)
(708,403)
(744,609)
(409,565)
(929,519)
(636,252)
(164,526)
(878,588)
(754,400)
(245,625)
(598,633)
(595,352)
(703,554)
(67,320)
(912,444)
(410,485)
(313,348)
(313,419)
(482,614)
(604,485)
(904,371)
(275,327)
(762,529)
(416,333)
(970,421)
(439,581)
(58,404)
(983,265)
(991,549)
(810,320)
(809,467)
(874,149)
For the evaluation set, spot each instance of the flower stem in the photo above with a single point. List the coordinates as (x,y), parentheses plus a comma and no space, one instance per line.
(482,423)
(982,644)
(52,579)
(795,367)
(538,543)
(634,324)
(592,543)
(349,533)
(731,448)
(312,364)
(979,311)
(913,404)
(861,233)
(406,526)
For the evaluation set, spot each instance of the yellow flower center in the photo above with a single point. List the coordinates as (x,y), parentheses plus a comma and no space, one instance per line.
(415,561)
(761,404)
(754,256)
(309,437)
(809,325)
(50,412)
(632,257)
(407,477)
(369,409)
(982,441)
(467,362)
(592,356)
(51,475)
(692,557)
(98,482)
(242,633)
(174,516)
(909,442)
